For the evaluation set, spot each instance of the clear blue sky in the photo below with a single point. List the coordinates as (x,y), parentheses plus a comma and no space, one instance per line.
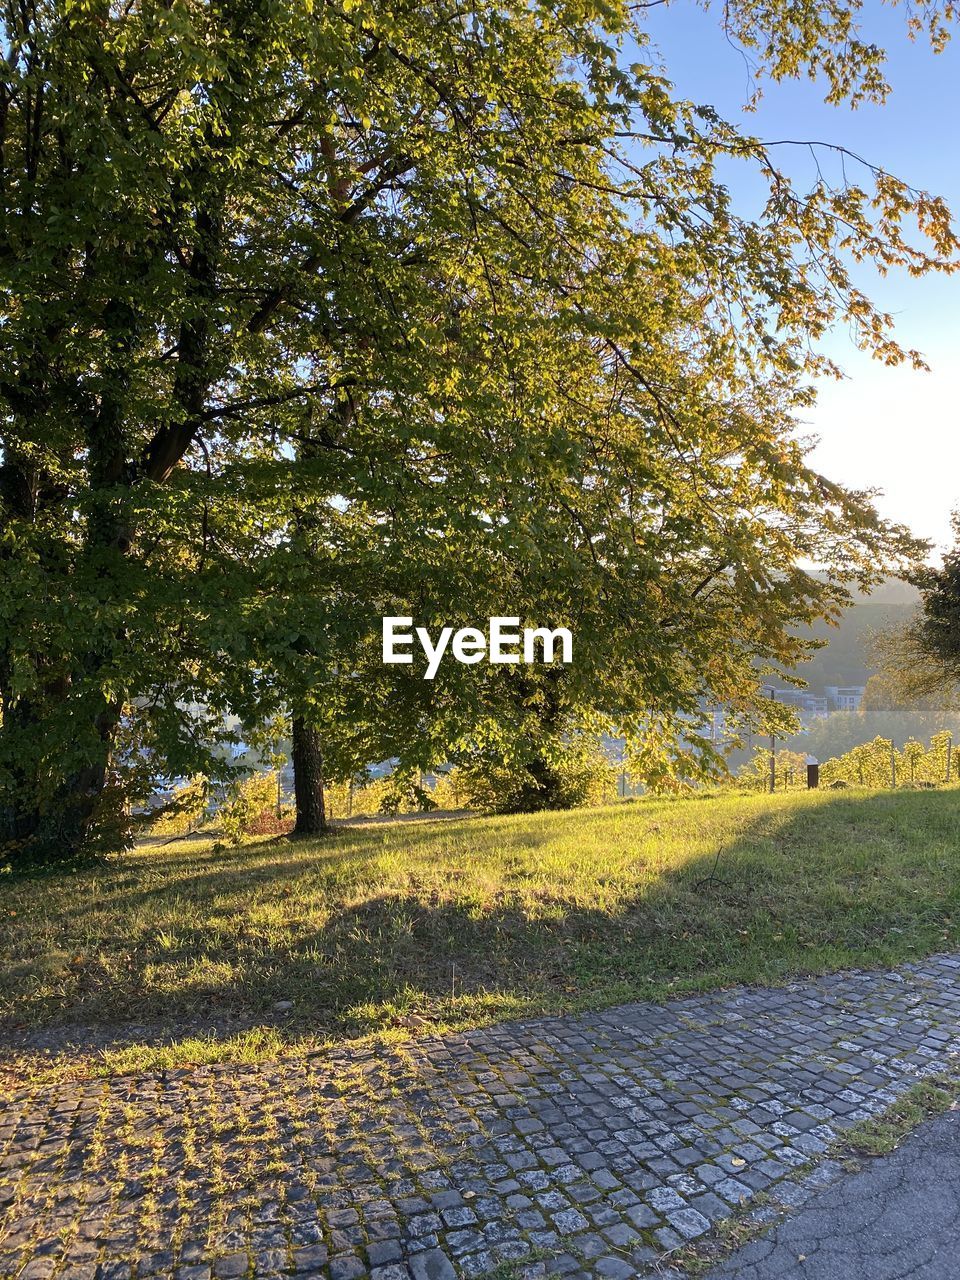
(892,429)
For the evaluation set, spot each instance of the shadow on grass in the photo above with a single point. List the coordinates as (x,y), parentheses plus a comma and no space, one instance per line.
(449,924)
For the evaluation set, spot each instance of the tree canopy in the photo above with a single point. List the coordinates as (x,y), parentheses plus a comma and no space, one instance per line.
(315,312)
(921,660)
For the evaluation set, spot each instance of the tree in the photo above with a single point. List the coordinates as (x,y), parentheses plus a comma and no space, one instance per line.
(489,273)
(920,661)
(934,641)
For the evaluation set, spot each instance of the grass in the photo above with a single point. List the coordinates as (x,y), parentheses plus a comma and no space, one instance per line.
(410,926)
(882,1134)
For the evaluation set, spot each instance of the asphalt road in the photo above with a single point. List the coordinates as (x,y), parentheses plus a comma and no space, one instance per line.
(897,1219)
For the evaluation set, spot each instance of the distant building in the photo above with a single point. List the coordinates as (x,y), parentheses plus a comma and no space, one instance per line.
(812,706)
(845,698)
(815,706)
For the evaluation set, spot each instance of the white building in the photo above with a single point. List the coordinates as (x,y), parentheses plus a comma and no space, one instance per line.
(845,698)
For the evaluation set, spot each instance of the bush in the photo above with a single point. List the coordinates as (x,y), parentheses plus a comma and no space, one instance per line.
(398,792)
(248,805)
(580,775)
(184,811)
(450,790)
(791,771)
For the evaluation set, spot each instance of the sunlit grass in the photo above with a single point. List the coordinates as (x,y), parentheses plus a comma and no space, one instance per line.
(449,923)
(247,1046)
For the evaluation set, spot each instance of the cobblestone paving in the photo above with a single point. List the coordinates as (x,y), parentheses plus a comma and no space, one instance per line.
(582,1145)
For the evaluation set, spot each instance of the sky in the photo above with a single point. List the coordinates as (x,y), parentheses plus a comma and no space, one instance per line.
(896,430)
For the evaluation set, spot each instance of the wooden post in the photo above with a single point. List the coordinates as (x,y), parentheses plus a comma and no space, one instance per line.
(773,750)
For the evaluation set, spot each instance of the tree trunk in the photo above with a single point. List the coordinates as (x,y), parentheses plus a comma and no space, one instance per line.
(19,808)
(308,780)
(72,818)
(545,789)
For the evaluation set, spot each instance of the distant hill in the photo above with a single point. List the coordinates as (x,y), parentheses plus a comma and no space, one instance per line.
(845,659)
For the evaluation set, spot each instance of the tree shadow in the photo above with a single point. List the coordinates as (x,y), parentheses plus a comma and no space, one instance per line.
(802,887)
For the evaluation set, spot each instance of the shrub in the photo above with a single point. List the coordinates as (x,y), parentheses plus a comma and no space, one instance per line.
(791,770)
(184,811)
(247,804)
(398,792)
(450,790)
(580,774)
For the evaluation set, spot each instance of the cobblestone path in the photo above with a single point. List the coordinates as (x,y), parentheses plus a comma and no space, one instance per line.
(588,1144)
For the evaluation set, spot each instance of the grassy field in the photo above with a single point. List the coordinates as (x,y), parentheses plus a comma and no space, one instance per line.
(450,923)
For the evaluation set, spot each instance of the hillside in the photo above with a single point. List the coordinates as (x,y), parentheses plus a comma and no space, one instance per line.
(457,921)
(845,659)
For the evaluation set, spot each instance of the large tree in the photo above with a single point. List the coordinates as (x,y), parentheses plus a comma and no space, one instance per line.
(310,308)
(920,662)
(939,627)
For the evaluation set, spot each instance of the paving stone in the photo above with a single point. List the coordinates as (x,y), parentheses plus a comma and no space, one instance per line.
(665,1199)
(348,1268)
(556,1134)
(462,1242)
(641,1216)
(668,1239)
(432,1265)
(613,1268)
(711,1206)
(38,1269)
(477,1264)
(460,1216)
(587,1246)
(621,1236)
(688,1223)
(232,1267)
(567,1221)
(384,1251)
(342,1217)
(731,1190)
(511,1250)
(561,1265)
(446,1199)
(107,1271)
